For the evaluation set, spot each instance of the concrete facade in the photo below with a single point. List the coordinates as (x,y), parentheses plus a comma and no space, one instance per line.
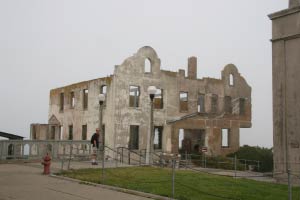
(203,108)
(286,93)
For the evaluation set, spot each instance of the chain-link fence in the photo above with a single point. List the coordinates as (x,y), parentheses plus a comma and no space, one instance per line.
(186,176)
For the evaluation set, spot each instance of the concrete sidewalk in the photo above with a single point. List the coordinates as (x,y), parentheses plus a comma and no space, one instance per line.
(27,183)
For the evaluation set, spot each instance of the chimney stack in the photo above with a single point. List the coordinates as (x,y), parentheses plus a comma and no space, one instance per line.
(192,67)
(294,3)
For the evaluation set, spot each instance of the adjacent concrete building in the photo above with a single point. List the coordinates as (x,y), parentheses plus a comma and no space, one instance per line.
(286,92)
(189,113)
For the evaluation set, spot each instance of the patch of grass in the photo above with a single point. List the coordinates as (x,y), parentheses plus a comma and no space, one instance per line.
(189,185)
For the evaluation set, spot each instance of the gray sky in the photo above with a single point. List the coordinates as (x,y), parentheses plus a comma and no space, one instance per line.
(52,43)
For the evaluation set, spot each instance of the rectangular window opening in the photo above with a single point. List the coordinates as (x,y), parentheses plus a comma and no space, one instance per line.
(180,138)
(225,137)
(52,133)
(134,94)
(242,102)
(84,132)
(61,102)
(85,98)
(158,131)
(227,104)
(70,132)
(61,128)
(134,137)
(201,103)
(72,100)
(158,99)
(214,103)
(183,98)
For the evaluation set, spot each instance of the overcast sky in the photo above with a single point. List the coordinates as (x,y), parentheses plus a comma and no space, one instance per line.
(46,44)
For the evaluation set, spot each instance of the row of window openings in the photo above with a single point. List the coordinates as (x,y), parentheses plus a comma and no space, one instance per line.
(103,90)
(134,93)
(214,103)
(60,131)
(134,97)
(134,137)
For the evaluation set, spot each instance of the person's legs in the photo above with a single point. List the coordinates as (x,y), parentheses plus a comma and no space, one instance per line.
(94,156)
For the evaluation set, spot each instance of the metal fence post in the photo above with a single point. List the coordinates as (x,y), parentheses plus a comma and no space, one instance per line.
(289,184)
(71,151)
(128,157)
(235,166)
(173,178)
(103,160)
(186,159)
(204,160)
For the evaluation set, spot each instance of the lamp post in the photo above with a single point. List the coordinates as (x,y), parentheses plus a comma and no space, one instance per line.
(150,147)
(101,99)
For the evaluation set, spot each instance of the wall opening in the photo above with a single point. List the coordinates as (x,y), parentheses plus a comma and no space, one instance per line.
(225,138)
(26,150)
(134,137)
(201,103)
(227,104)
(242,103)
(214,103)
(147,66)
(72,99)
(10,150)
(61,102)
(52,133)
(231,80)
(103,89)
(180,138)
(158,131)
(85,98)
(158,99)
(134,95)
(61,131)
(70,132)
(84,132)
(183,99)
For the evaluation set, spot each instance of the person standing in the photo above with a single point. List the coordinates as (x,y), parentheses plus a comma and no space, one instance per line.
(95,145)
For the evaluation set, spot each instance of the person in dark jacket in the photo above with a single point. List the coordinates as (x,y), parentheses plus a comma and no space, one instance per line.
(95,144)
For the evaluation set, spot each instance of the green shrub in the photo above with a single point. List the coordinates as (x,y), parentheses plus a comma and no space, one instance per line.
(261,154)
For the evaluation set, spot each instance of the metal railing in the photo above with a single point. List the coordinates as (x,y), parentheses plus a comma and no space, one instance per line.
(35,149)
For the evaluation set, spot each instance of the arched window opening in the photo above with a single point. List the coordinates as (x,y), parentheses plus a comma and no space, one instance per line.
(231,82)
(147,66)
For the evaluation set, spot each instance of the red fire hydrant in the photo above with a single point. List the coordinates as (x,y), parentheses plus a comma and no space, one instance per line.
(46,162)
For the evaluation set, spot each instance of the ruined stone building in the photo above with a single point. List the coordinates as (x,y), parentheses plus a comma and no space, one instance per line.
(286,92)
(203,112)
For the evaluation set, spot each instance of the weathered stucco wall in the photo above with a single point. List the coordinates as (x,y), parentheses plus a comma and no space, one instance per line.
(119,115)
(286,93)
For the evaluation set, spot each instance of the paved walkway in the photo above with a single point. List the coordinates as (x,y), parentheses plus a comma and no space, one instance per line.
(25,182)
